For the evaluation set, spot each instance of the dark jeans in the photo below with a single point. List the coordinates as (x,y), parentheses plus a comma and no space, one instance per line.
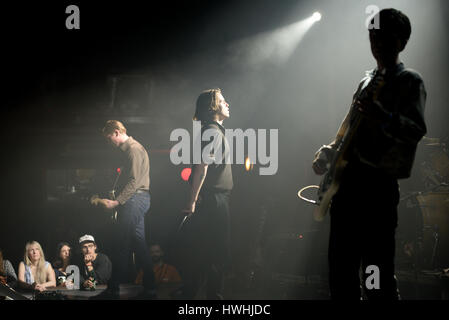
(363,224)
(129,237)
(206,245)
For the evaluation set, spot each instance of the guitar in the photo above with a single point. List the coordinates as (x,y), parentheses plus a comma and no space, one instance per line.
(97,201)
(330,183)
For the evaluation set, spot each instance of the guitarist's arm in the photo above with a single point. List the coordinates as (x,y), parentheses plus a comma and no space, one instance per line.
(109,204)
(324,155)
(131,186)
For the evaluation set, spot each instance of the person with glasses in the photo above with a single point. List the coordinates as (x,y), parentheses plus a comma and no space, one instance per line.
(95,267)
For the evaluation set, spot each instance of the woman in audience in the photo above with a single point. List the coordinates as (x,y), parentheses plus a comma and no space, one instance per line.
(7,274)
(34,272)
(63,257)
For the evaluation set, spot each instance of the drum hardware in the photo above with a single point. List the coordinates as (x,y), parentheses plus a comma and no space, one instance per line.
(436,238)
(435,169)
(431,238)
(434,206)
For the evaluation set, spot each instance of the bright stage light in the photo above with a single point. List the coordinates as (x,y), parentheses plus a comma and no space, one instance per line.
(316,16)
(275,46)
(248,164)
(185,174)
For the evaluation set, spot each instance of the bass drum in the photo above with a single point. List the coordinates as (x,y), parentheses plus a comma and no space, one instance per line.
(435,165)
(435,212)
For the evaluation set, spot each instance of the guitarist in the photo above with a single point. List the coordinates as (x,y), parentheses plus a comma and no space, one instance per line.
(132,203)
(364,209)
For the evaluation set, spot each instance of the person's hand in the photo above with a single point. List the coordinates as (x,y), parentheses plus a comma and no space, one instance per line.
(88,258)
(323,157)
(319,166)
(88,284)
(39,287)
(69,284)
(3,279)
(108,204)
(190,208)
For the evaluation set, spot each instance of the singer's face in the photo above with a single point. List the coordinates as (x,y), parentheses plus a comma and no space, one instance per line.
(223,113)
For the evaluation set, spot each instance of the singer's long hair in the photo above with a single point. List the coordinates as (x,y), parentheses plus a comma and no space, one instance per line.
(207,105)
(41,274)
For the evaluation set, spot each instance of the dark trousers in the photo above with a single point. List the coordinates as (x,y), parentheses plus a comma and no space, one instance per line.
(207,252)
(363,223)
(129,237)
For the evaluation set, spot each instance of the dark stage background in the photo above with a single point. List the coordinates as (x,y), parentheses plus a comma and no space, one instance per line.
(144,63)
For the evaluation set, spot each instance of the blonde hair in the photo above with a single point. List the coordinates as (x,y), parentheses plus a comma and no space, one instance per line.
(41,274)
(112,125)
(207,105)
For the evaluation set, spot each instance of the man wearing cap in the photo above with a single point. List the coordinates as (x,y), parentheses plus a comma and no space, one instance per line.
(132,203)
(96,267)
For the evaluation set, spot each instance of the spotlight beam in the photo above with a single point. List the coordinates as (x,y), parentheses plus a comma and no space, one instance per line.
(276,46)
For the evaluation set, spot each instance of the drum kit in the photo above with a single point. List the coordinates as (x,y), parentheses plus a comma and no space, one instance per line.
(430,246)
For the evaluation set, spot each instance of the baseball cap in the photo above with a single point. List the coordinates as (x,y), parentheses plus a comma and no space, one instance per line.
(86,238)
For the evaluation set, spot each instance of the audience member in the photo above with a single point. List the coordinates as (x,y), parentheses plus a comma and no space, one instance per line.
(63,257)
(163,272)
(96,267)
(34,272)
(7,274)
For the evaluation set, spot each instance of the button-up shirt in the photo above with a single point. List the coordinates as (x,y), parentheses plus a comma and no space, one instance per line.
(136,169)
(390,144)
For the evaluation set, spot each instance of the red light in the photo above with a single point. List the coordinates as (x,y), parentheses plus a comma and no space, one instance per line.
(185,173)
(119,170)
(300,236)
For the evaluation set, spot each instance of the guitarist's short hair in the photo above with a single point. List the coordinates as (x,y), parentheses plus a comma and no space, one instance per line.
(394,22)
(112,125)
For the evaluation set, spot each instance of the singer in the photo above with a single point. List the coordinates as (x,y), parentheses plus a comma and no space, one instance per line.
(132,203)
